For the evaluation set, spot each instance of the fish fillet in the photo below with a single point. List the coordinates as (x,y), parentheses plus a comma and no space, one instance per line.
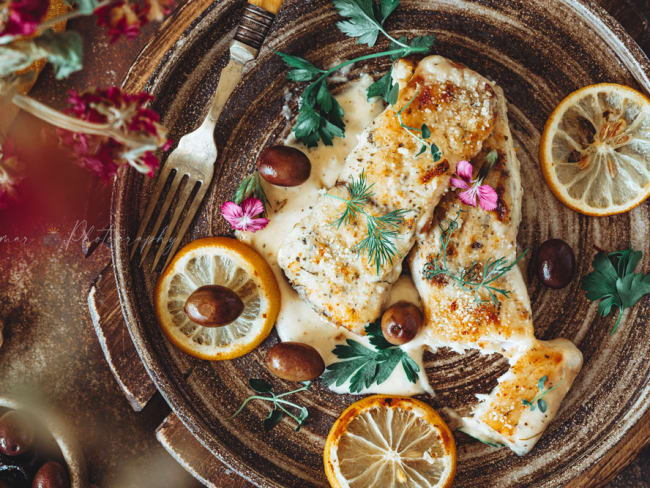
(317,257)
(455,319)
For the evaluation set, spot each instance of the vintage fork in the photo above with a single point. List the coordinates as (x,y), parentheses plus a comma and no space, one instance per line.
(194,158)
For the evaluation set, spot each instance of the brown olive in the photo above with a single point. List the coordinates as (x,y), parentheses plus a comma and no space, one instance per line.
(294,361)
(213,306)
(401,323)
(284,166)
(16,434)
(51,475)
(556,263)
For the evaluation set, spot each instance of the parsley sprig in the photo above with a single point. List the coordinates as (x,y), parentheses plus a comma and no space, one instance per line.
(424,133)
(381,230)
(477,277)
(615,283)
(364,366)
(320,116)
(279,410)
(543,391)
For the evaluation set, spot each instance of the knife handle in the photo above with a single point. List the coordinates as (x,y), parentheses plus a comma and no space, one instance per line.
(256,22)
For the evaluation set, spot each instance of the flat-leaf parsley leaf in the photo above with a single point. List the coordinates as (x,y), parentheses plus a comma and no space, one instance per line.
(364,366)
(615,283)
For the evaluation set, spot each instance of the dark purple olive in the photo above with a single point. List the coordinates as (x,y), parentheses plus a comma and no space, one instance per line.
(213,306)
(284,166)
(51,475)
(295,361)
(401,323)
(16,433)
(556,263)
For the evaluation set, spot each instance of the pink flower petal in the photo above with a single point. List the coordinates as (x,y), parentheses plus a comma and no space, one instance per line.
(487,197)
(233,213)
(458,183)
(254,225)
(468,197)
(252,206)
(464,170)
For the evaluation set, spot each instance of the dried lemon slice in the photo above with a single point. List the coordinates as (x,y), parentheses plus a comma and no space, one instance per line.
(226,262)
(390,442)
(595,149)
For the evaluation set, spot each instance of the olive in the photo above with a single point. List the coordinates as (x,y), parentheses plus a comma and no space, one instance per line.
(284,166)
(213,306)
(401,322)
(51,475)
(16,434)
(294,361)
(556,263)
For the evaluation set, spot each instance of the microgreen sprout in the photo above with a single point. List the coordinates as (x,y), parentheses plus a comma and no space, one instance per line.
(543,391)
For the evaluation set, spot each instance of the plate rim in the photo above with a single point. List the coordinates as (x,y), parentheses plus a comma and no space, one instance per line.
(144,71)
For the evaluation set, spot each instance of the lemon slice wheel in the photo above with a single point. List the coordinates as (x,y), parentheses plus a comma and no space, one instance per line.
(390,442)
(226,262)
(595,149)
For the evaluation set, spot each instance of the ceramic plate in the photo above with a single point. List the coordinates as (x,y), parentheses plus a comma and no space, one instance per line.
(538,51)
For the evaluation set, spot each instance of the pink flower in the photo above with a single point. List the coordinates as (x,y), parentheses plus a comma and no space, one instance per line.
(121,18)
(22,17)
(243,217)
(11,173)
(487,197)
(104,155)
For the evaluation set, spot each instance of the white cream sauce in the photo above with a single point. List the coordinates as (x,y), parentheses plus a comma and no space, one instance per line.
(297,321)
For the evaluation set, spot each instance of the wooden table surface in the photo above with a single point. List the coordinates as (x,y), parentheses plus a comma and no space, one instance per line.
(49,342)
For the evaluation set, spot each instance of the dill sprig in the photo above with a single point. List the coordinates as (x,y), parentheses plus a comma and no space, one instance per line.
(476,278)
(381,230)
(424,132)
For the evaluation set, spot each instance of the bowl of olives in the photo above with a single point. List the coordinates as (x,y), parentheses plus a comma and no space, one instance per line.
(37,450)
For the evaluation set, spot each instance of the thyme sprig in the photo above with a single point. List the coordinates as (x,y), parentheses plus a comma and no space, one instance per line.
(477,277)
(278,400)
(320,116)
(381,230)
(543,391)
(424,131)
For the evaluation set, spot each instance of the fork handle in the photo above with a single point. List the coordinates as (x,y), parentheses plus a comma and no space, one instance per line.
(252,30)
(256,22)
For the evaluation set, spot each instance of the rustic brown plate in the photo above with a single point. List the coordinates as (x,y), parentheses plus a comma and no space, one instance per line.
(538,51)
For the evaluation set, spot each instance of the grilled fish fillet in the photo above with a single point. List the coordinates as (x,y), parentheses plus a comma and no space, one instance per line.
(459,107)
(455,319)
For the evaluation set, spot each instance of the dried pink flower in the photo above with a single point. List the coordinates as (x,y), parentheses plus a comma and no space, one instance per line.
(21,17)
(487,196)
(127,114)
(121,18)
(11,173)
(243,217)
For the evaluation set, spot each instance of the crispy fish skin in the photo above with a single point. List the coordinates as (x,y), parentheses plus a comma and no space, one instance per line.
(454,319)
(459,107)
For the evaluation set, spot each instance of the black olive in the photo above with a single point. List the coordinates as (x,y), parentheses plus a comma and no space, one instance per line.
(284,166)
(213,306)
(556,263)
(401,322)
(16,433)
(51,475)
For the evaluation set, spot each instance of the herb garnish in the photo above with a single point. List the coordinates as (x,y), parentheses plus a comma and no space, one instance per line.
(379,243)
(424,131)
(364,366)
(615,283)
(261,386)
(539,398)
(476,277)
(320,116)
(251,186)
